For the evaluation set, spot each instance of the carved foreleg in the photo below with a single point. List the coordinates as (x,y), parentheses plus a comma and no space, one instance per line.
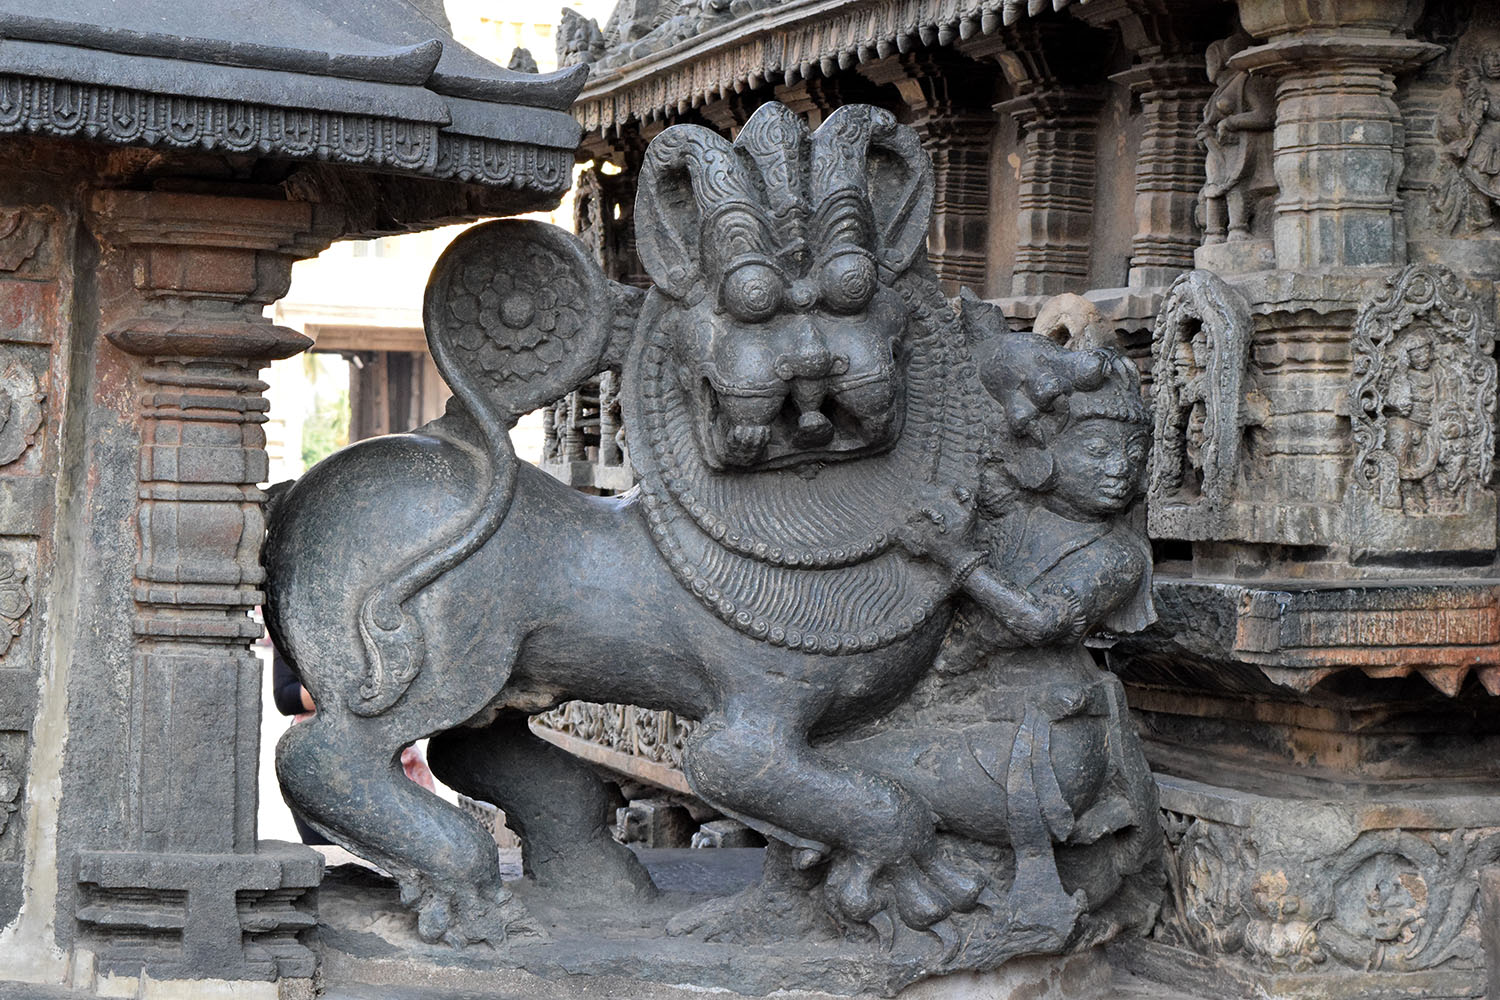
(879,836)
(554,802)
(347,782)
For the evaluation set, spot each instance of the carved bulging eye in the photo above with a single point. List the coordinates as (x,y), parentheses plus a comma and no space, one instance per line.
(848,282)
(752,293)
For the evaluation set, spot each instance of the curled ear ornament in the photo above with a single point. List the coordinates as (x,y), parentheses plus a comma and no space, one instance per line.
(872,186)
(693,209)
(1032,468)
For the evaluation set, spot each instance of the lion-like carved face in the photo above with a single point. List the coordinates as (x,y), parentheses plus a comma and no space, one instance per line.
(795,369)
(782,252)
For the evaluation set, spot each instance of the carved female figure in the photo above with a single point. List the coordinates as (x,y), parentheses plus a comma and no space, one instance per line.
(1411,397)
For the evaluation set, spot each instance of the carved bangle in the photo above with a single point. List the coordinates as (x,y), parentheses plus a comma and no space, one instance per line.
(968,566)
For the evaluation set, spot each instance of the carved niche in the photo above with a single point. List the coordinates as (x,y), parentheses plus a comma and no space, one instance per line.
(863,560)
(1200,356)
(1422,418)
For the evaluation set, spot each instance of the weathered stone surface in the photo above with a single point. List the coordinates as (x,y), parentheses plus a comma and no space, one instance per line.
(804,415)
(367,938)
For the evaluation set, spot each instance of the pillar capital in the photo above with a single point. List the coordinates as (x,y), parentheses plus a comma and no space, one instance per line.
(1275,19)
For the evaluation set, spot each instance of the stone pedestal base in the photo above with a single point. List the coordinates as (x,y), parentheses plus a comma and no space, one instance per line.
(369,950)
(1236,257)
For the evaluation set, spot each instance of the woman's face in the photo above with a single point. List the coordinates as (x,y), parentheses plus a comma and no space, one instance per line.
(1100,464)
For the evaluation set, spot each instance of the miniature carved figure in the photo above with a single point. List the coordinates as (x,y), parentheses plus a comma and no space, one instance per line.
(10,789)
(1424,396)
(1201,356)
(20,409)
(1466,202)
(796,390)
(579,39)
(522,61)
(1236,129)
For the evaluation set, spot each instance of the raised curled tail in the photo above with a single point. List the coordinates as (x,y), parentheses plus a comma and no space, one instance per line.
(517,315)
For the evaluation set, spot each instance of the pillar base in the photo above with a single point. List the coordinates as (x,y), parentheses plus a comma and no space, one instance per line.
(187,916)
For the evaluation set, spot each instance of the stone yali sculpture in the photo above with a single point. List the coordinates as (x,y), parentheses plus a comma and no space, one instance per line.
(863,555)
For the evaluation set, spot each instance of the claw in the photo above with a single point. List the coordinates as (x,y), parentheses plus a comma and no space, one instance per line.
(885,929)
(947,935)
(920,906)
(853,887)
(807,858)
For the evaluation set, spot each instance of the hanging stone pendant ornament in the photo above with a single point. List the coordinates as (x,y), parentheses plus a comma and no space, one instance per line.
(864,556)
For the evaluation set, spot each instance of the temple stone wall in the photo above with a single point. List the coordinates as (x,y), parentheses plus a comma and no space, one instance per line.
(1285,213)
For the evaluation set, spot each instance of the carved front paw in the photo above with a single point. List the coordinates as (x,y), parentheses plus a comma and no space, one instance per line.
(922,888)
(466,915)
(747,442)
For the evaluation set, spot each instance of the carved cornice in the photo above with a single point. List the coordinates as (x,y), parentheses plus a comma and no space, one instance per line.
(34,105)
(787,42)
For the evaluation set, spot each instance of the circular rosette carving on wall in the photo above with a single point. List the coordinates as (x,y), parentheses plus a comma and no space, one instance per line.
(804,557)
(519,309)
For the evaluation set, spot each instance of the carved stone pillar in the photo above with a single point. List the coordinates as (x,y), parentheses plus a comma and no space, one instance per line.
(1055,207)
(1167,39)
(179,885)
(948,102)
(1054,69)
(1169,169)
(1339,136)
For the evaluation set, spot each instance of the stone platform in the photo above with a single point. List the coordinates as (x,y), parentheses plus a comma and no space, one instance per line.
(369,950)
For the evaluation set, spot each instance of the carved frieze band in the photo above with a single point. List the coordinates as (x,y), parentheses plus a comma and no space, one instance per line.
(826,35)
(1389,901)
(639,732)
(134,118)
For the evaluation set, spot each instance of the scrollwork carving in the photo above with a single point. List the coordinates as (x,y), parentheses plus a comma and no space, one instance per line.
(1389,901)
(1200,359)
(1423,395)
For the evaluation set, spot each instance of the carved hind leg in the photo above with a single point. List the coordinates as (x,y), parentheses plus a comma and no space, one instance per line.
(348,783)
(880,836)
(555,803)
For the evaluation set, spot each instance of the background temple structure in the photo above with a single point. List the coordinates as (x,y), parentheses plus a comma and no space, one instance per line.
(1285,213)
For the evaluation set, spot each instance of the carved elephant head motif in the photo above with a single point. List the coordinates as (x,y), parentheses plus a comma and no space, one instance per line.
(780,251)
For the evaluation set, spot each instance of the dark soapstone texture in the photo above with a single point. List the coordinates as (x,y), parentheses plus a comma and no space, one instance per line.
(865,552)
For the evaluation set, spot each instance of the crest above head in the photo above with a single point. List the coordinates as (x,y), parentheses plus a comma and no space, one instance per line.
(847,204)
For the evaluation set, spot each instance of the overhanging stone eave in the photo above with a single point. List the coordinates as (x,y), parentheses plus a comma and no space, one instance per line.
(496,145)
(157,75)
(795,37)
